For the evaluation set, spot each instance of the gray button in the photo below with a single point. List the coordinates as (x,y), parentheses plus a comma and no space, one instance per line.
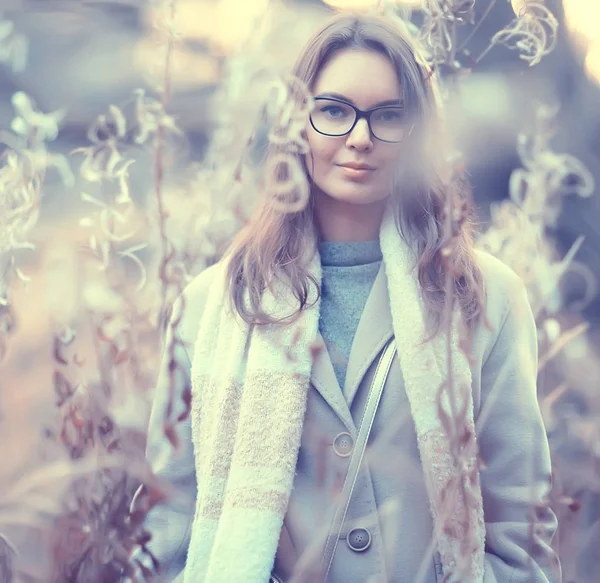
(359,539)
(343,444)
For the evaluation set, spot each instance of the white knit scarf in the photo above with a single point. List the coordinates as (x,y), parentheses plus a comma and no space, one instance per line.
(249,392)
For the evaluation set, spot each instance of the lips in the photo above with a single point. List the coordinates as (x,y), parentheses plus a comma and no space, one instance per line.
(357,172)
(357,166)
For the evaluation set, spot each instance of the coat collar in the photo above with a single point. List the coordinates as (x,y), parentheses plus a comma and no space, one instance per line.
(374,329)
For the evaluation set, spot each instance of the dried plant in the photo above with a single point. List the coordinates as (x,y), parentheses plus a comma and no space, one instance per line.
(24,163)
(14,47)
(439,27)
(7,553)
(140,254)
(533,33)
(518,231)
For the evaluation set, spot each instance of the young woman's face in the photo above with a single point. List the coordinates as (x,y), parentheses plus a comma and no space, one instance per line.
(366,79)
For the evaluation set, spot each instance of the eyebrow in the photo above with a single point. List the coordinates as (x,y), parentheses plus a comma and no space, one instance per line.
(397,102)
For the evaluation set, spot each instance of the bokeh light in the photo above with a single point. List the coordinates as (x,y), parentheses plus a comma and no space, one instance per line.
(365,4)
(518,6)
(225,24)
(581,18)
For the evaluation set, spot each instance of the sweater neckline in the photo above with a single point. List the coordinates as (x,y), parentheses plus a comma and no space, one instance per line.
(347,254)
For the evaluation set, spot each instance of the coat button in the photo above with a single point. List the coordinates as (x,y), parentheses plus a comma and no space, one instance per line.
(343,444)
(359,539)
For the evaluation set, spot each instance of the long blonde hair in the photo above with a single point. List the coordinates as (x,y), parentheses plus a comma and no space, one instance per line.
(271,244)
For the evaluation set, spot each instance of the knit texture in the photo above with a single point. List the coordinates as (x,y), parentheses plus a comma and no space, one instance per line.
(349,270)
(249,390)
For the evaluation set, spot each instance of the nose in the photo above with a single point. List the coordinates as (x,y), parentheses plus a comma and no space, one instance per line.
(360,137)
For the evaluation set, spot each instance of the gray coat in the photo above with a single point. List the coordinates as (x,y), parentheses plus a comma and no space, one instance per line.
(390,499)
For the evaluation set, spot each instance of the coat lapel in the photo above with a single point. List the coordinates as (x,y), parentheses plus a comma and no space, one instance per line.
(325,381)
(374,329)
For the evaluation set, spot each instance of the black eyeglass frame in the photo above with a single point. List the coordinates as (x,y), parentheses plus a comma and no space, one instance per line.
(360,114)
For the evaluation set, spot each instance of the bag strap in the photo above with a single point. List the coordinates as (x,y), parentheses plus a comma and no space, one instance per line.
(366,423)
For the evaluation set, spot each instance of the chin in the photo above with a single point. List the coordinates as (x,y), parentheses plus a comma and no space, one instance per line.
(354,193)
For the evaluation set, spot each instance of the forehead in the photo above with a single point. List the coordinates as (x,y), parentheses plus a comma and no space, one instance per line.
(363,76)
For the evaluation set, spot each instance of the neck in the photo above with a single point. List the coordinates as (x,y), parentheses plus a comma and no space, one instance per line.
(343,222)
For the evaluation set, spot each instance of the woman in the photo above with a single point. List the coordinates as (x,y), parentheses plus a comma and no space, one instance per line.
(274,417)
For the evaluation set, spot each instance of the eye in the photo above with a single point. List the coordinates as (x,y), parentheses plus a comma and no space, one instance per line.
(334,111)
(390,115)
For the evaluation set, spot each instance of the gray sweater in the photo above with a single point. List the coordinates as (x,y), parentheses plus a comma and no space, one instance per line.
(349,270)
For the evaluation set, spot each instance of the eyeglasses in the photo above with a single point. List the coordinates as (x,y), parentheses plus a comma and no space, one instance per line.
(335,117)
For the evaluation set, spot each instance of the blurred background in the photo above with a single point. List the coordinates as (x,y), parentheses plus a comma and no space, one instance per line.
(144,89)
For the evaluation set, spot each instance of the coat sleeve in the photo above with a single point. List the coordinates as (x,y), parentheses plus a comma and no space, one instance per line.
(516,455)
(170,521)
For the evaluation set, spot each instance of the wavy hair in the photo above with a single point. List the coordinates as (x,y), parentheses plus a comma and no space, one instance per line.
(271,244)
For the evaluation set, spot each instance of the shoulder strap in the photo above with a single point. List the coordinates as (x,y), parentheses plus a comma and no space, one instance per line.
(375,391)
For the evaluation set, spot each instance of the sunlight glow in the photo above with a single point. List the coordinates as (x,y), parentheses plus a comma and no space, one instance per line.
(592,61)
(187,69)
(226,24)
(223,25)
(582,19)
(518,6)
(365,4)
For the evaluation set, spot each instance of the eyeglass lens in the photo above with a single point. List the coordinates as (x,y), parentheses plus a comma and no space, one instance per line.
(334,118)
